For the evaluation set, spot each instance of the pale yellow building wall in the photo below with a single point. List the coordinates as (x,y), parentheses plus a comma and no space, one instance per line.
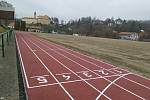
(30,20)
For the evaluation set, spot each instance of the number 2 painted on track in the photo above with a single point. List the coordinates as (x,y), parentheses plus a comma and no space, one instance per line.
(118,71)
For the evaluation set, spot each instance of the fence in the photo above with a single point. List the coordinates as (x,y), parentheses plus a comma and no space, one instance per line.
(5,37)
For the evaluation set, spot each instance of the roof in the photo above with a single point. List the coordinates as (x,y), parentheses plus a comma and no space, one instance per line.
(126,33)
(28,18)
(6,6)
(38,17)
(43,17)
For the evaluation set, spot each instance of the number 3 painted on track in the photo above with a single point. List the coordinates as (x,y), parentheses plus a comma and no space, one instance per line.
(103,72)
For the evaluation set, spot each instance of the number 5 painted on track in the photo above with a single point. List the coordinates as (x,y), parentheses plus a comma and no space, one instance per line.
(41,79)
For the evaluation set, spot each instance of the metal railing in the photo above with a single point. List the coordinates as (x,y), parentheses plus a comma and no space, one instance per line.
(5,36)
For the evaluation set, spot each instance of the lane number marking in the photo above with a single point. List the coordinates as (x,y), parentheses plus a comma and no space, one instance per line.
(66,77)
(41,79)
(118,71)
(87,74)
(101,71)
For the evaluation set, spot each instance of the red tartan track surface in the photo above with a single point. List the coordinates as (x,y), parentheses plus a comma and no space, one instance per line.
(54,72)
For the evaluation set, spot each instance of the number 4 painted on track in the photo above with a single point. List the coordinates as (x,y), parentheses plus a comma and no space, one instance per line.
(66,77)
(87,74)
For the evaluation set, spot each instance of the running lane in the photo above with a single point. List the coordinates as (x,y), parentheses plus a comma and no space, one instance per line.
(76,76)
(38,79)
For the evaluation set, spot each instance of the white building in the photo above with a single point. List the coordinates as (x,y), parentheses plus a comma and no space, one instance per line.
(30,20)
(46,20)
(129,36)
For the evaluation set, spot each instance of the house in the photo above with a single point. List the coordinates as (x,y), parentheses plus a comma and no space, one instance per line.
(129,36)
(30,20)
(7,12)
(75,34)
(46,20)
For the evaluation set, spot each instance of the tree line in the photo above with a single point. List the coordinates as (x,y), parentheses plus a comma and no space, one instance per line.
(108,28)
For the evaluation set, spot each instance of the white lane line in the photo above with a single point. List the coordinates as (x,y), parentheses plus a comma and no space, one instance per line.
(137,83)
(82,72)
(55,84)
(141,76)
(22,68)
(24,71)
(34,50)
(32,87)
(106,69)
(63,82)
(110,70)
(98,60)
(38,76)
(93,71)
(57,46)
(39,50)
(48,70)
(71,81)
(70,70)
(63,74)
(109,86)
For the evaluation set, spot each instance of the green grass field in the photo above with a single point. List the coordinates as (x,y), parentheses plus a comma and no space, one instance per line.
(133,55)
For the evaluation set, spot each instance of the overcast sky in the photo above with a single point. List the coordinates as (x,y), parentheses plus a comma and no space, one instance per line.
(73,9)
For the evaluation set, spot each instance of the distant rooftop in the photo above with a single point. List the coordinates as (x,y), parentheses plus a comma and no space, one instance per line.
(43,17)
(38,17)
(6,6)
(126,33)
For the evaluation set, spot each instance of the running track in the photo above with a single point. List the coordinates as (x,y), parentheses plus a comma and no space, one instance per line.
(53,72)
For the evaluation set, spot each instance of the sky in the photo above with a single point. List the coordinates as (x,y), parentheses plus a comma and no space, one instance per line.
(74,9)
